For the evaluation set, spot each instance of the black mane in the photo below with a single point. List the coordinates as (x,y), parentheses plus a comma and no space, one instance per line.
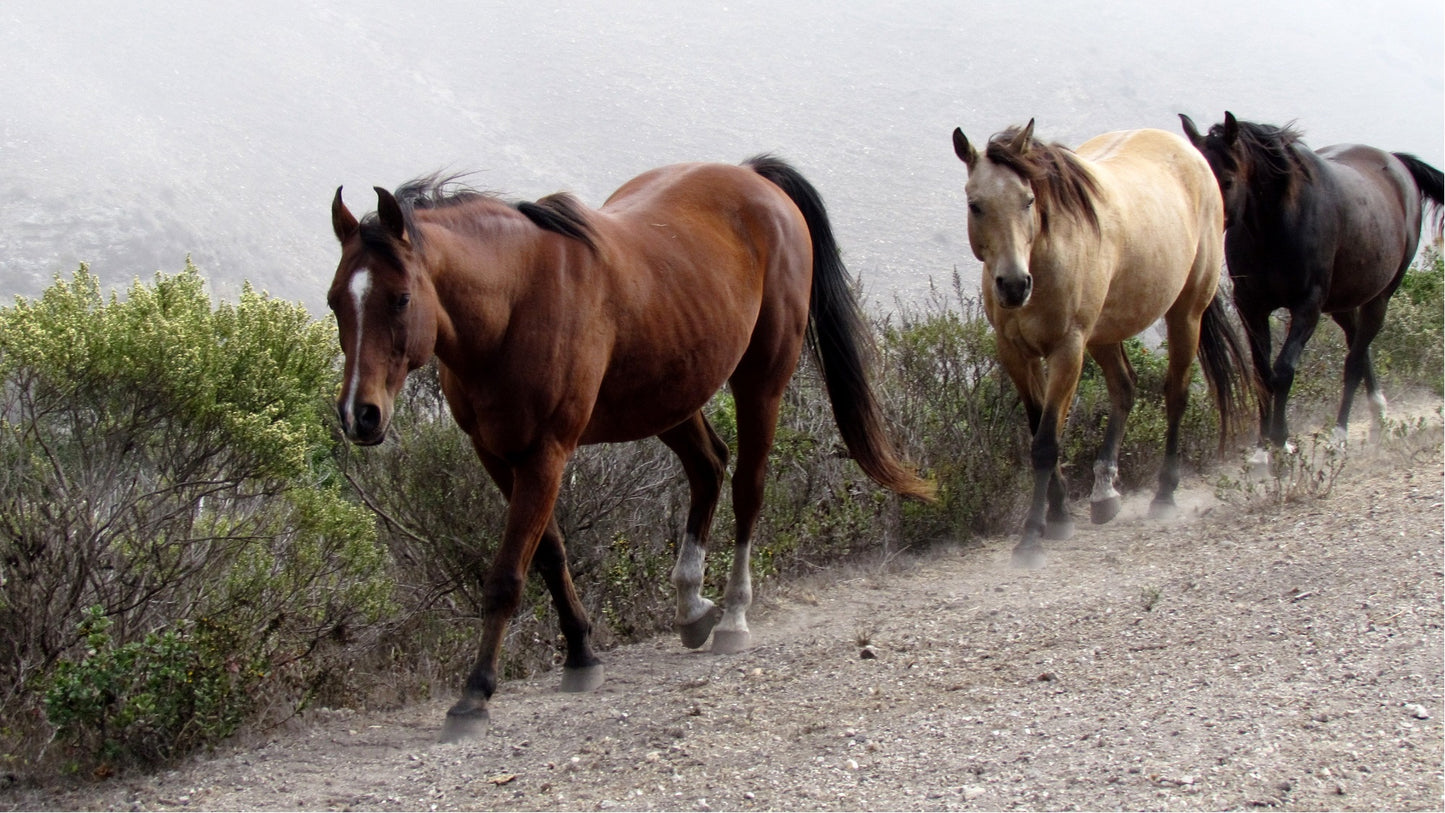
(1275,154)
(559,213)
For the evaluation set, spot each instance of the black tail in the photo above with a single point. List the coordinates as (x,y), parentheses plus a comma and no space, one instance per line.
(1226,363)
(1428,181)
(840,341)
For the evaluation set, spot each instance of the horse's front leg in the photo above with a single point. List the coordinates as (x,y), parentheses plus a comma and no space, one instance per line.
(1303,319)
(1105,501)
(534,495)
(1046,399)
(582,670)
(1256,329)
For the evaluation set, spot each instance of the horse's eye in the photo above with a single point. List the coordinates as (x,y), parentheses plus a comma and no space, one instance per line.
(975,208)
(400,302)
(1029,204)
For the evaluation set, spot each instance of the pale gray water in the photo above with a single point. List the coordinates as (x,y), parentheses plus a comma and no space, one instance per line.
(134,133)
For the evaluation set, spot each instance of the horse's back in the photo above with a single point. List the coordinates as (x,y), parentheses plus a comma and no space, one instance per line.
(1377,208)
(1140,160)
(699,260)
(1165,220)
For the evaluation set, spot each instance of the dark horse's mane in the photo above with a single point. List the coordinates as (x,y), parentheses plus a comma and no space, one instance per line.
(560,213)
(1275,155)
(1058,176)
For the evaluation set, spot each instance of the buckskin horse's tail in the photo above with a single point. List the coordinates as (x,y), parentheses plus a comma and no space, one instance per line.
(1226,364)
(841,345)
(1428,181)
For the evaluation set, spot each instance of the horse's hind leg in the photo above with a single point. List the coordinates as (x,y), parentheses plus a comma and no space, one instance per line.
(704,459)
(1360,327)
(1121,380)
(757,415)
(1183,333)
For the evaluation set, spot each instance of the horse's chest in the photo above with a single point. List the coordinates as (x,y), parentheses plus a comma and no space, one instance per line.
(1027,332)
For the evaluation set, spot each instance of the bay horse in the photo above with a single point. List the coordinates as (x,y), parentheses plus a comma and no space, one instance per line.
(555,325)
(1328,231)
(1083,249)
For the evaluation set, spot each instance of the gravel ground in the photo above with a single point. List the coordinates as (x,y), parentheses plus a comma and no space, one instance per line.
(1246,656)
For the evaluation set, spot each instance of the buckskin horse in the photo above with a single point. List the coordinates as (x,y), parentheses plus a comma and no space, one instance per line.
(1328,231)
(555,325)
(1081,251)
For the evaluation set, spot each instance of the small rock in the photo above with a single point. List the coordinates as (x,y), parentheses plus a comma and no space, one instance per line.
(1418,711)
(868,653)
(971,792)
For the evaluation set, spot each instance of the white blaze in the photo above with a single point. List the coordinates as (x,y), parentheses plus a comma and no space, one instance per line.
(359,287)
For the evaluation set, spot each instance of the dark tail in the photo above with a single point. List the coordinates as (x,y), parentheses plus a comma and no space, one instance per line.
(841,343)
(1228,368)
(1428,181)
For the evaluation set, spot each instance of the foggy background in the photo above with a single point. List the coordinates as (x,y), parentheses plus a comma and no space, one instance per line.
(135,133)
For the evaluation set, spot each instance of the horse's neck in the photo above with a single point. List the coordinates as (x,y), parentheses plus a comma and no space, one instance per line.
(474,296)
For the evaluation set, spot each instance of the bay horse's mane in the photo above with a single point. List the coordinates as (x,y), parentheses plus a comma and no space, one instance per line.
(560,213)
(1057,175)
(1276,155)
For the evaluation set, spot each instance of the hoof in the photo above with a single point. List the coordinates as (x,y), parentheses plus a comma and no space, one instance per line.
(731,642)
(581,678)
(1258,463)
(1101,511)
(1059,530)
(1029,558)
(694,634)
(1163,509)
(464,726)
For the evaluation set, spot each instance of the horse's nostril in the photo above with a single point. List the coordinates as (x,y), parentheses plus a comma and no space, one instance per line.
(368,418)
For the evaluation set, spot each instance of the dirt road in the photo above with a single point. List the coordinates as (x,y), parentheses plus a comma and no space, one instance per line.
(1245,656)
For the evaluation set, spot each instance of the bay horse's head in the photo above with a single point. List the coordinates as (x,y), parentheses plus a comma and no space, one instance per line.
(1013,187)
(385,309)
(1249,161)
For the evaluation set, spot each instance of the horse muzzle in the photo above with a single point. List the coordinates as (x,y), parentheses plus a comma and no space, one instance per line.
(363,424)
(1013,291)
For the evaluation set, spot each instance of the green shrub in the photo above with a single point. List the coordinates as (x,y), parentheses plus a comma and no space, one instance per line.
(166,460)
(1410,350)
(153,699)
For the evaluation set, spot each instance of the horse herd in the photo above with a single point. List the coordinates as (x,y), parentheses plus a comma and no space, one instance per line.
(556,325)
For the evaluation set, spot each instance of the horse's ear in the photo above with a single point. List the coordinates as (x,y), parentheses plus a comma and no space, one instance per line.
(1024,139)
(1191,131)
(1231,128)
(343,222)
(964,150)
(389,212)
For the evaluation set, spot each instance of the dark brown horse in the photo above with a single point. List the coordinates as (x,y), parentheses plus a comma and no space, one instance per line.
(1329,231)
(1082,250)
(557,326)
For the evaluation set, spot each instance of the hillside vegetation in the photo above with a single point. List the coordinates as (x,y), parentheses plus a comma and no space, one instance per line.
(187,548)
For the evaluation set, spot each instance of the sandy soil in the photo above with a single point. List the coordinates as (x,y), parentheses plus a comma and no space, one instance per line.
(1247,655)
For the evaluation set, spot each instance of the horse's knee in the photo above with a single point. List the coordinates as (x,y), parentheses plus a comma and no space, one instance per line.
(1044,454)
(502,591)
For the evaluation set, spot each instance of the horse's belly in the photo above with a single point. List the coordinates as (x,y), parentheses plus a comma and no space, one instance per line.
(1131,309)
(638,400)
